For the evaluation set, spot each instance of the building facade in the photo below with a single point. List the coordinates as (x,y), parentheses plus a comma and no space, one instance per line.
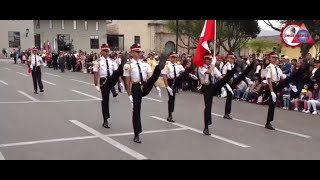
(70,35)
(16,34)
(151,34)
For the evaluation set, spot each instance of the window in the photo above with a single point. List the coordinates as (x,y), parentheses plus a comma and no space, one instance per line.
(137,39)
(37,41)
(50,24)
(94,42)
(62,24)
(64,43)
(74,24)
(116,42)
(86,25)
(37,24)
(97,26)
(14,39)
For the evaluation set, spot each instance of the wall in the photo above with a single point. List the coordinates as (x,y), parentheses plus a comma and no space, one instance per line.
(20,26)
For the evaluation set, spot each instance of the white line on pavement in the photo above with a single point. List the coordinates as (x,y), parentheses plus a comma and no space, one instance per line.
(22,74)
(147,132)
(86,94)
(3,82)
(256,124)
(152,99)
(200,132)
(82,82)
(2,157)
(54,101)
(82,137)
(52,75)
(116,144)
(47,141)
(28,96)
(49,82)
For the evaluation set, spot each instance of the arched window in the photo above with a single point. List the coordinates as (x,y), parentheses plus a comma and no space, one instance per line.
(169,47)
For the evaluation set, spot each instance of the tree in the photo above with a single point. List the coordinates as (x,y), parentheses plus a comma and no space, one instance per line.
(313,27)
(231,34)
(260,45)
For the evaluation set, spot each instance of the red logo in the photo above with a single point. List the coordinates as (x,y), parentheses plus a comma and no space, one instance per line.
(294,34)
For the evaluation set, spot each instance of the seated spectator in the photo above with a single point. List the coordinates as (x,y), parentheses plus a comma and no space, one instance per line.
(305,95)
(253,95)
(315,100)
(240,89)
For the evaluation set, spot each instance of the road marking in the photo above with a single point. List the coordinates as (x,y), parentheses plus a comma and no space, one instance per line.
(47,141)
(3,82)
(152,99)
(54,101)
(88,95)
(22,74)
(261,125)
(116,144)
(82,137)
(7,69)
(147,132)
(52,75)
(82,82)
(28,96)
(2,157)
(200,132)
(49,82)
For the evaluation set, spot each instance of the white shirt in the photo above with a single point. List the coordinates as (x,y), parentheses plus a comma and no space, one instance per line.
(118,61)
(131,69)
(39,60)
(101,67)
(169,70)
(272,73)
(314,71)
(226,67)
(204,77)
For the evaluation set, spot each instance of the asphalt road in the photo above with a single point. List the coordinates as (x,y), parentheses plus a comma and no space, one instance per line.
(65,122)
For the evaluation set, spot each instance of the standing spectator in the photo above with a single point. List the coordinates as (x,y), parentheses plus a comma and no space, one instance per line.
(55,60)
(286,97)
(286,67)
(315,76)
(62,61)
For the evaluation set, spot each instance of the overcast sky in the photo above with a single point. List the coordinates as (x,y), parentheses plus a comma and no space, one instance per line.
(266,27)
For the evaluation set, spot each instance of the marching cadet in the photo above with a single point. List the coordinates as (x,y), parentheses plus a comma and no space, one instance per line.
(35,61)
(228,66)
(139,83)
(107,73)
(172,74)
(212,82)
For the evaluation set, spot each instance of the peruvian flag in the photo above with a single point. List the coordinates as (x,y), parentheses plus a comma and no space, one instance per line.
(208,33)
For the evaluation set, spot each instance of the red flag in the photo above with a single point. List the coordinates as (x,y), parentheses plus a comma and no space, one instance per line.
(208,33)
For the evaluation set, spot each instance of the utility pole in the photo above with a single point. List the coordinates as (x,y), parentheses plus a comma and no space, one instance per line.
(177,35)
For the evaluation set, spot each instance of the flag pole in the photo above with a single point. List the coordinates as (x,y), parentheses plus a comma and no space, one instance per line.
(215,42)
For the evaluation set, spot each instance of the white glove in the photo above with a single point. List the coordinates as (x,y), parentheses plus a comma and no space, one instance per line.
(131,100)
(159,91)
(31,67)
(293,88)
(170,91)
(122,87)
(229,89)
(274,96)
(194,77)
(98,88)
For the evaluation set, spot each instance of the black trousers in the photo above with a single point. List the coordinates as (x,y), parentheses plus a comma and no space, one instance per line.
(171,101)
(55,64)
(227,109)
(36,77)
(62,66)
(105,92)
(208,94)
(138,91)
(272,104)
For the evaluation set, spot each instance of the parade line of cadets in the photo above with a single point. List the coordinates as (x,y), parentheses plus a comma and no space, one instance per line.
(253,90)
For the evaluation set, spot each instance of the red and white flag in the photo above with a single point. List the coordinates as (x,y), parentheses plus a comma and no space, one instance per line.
(208,33)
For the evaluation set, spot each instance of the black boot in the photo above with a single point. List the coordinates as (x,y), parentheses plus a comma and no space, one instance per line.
(169,119)
(269,126)
(227,117)
(206,132)
(106,124)
(136,139)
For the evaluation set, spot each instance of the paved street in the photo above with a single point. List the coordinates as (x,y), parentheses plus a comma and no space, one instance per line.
(66,123)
